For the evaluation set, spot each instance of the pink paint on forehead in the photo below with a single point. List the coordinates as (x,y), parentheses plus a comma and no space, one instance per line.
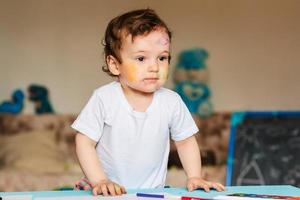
(163,41)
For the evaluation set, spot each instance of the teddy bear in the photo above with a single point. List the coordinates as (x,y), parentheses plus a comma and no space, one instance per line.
(191,81)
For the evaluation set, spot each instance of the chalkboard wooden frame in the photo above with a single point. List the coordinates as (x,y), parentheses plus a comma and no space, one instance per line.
(237,119)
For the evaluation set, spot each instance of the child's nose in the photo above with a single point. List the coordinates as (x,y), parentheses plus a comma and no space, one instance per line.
(154,67)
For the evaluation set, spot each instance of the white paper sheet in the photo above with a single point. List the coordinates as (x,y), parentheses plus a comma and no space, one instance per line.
(123,197)
(17,197)
(90,197)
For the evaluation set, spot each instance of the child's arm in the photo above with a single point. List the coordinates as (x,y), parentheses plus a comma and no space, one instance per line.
(89,162)
(189,155)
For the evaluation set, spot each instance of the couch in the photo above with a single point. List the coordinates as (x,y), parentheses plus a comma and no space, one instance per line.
(37,152)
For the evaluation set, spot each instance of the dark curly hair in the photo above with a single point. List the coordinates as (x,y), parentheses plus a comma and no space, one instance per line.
(134,23)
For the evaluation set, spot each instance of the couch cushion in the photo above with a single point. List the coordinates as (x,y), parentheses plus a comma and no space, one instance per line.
(35,151)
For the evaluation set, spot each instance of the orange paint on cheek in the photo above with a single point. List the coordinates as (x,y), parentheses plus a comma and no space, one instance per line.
(131,73)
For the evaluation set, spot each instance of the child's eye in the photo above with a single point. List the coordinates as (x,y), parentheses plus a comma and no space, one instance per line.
(163,58)
(141,58)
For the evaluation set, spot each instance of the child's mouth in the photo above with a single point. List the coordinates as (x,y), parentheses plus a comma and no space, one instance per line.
(151,80)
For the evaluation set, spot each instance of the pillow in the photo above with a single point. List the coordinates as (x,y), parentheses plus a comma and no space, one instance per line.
(36,151)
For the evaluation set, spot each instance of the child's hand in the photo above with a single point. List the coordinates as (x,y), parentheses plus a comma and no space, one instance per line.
(107,187)
(195,183)
(83,184)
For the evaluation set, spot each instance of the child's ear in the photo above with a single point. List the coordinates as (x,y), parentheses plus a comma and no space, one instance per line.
(113,65)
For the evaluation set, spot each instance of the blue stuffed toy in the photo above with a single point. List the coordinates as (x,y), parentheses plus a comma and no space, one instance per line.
(193,59)
(15,105)
(190,77)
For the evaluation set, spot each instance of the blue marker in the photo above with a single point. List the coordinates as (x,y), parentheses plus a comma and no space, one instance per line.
(161,196)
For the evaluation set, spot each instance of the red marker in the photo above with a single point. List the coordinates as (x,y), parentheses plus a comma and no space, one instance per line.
(193,198)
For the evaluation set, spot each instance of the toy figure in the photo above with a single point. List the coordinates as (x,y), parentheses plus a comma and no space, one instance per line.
(39,95)
(16,104)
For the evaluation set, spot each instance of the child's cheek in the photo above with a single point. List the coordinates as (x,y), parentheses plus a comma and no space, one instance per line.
(163,73)
(132,73)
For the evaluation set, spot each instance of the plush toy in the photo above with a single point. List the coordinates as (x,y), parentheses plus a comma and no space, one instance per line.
(192,93)
(190,77)
(193,59)
(191,66)
(39,95)
(15,105)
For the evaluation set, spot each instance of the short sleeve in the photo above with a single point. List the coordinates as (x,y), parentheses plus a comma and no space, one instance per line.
(182,123)
(90,121)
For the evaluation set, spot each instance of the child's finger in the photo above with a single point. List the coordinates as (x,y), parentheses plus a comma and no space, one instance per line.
(95,191)
(83,185)
(219,187)
(223,187)
(104,189)
(190,186)
(77,185)
(204,186)
(86,187)
(118,189)
(123,190)
(111,189)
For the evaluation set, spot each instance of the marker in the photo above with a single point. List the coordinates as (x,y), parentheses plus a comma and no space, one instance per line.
(193,198)
(161,196)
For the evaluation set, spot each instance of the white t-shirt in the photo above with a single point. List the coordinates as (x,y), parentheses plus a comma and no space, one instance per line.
(133,147)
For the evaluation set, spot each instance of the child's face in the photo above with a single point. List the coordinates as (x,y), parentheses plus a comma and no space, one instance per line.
(145,62)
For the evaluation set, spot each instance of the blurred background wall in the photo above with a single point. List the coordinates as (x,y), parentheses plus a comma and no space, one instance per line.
(254,48)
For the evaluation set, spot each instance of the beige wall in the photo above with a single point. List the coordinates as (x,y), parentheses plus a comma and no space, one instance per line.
(254,47)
